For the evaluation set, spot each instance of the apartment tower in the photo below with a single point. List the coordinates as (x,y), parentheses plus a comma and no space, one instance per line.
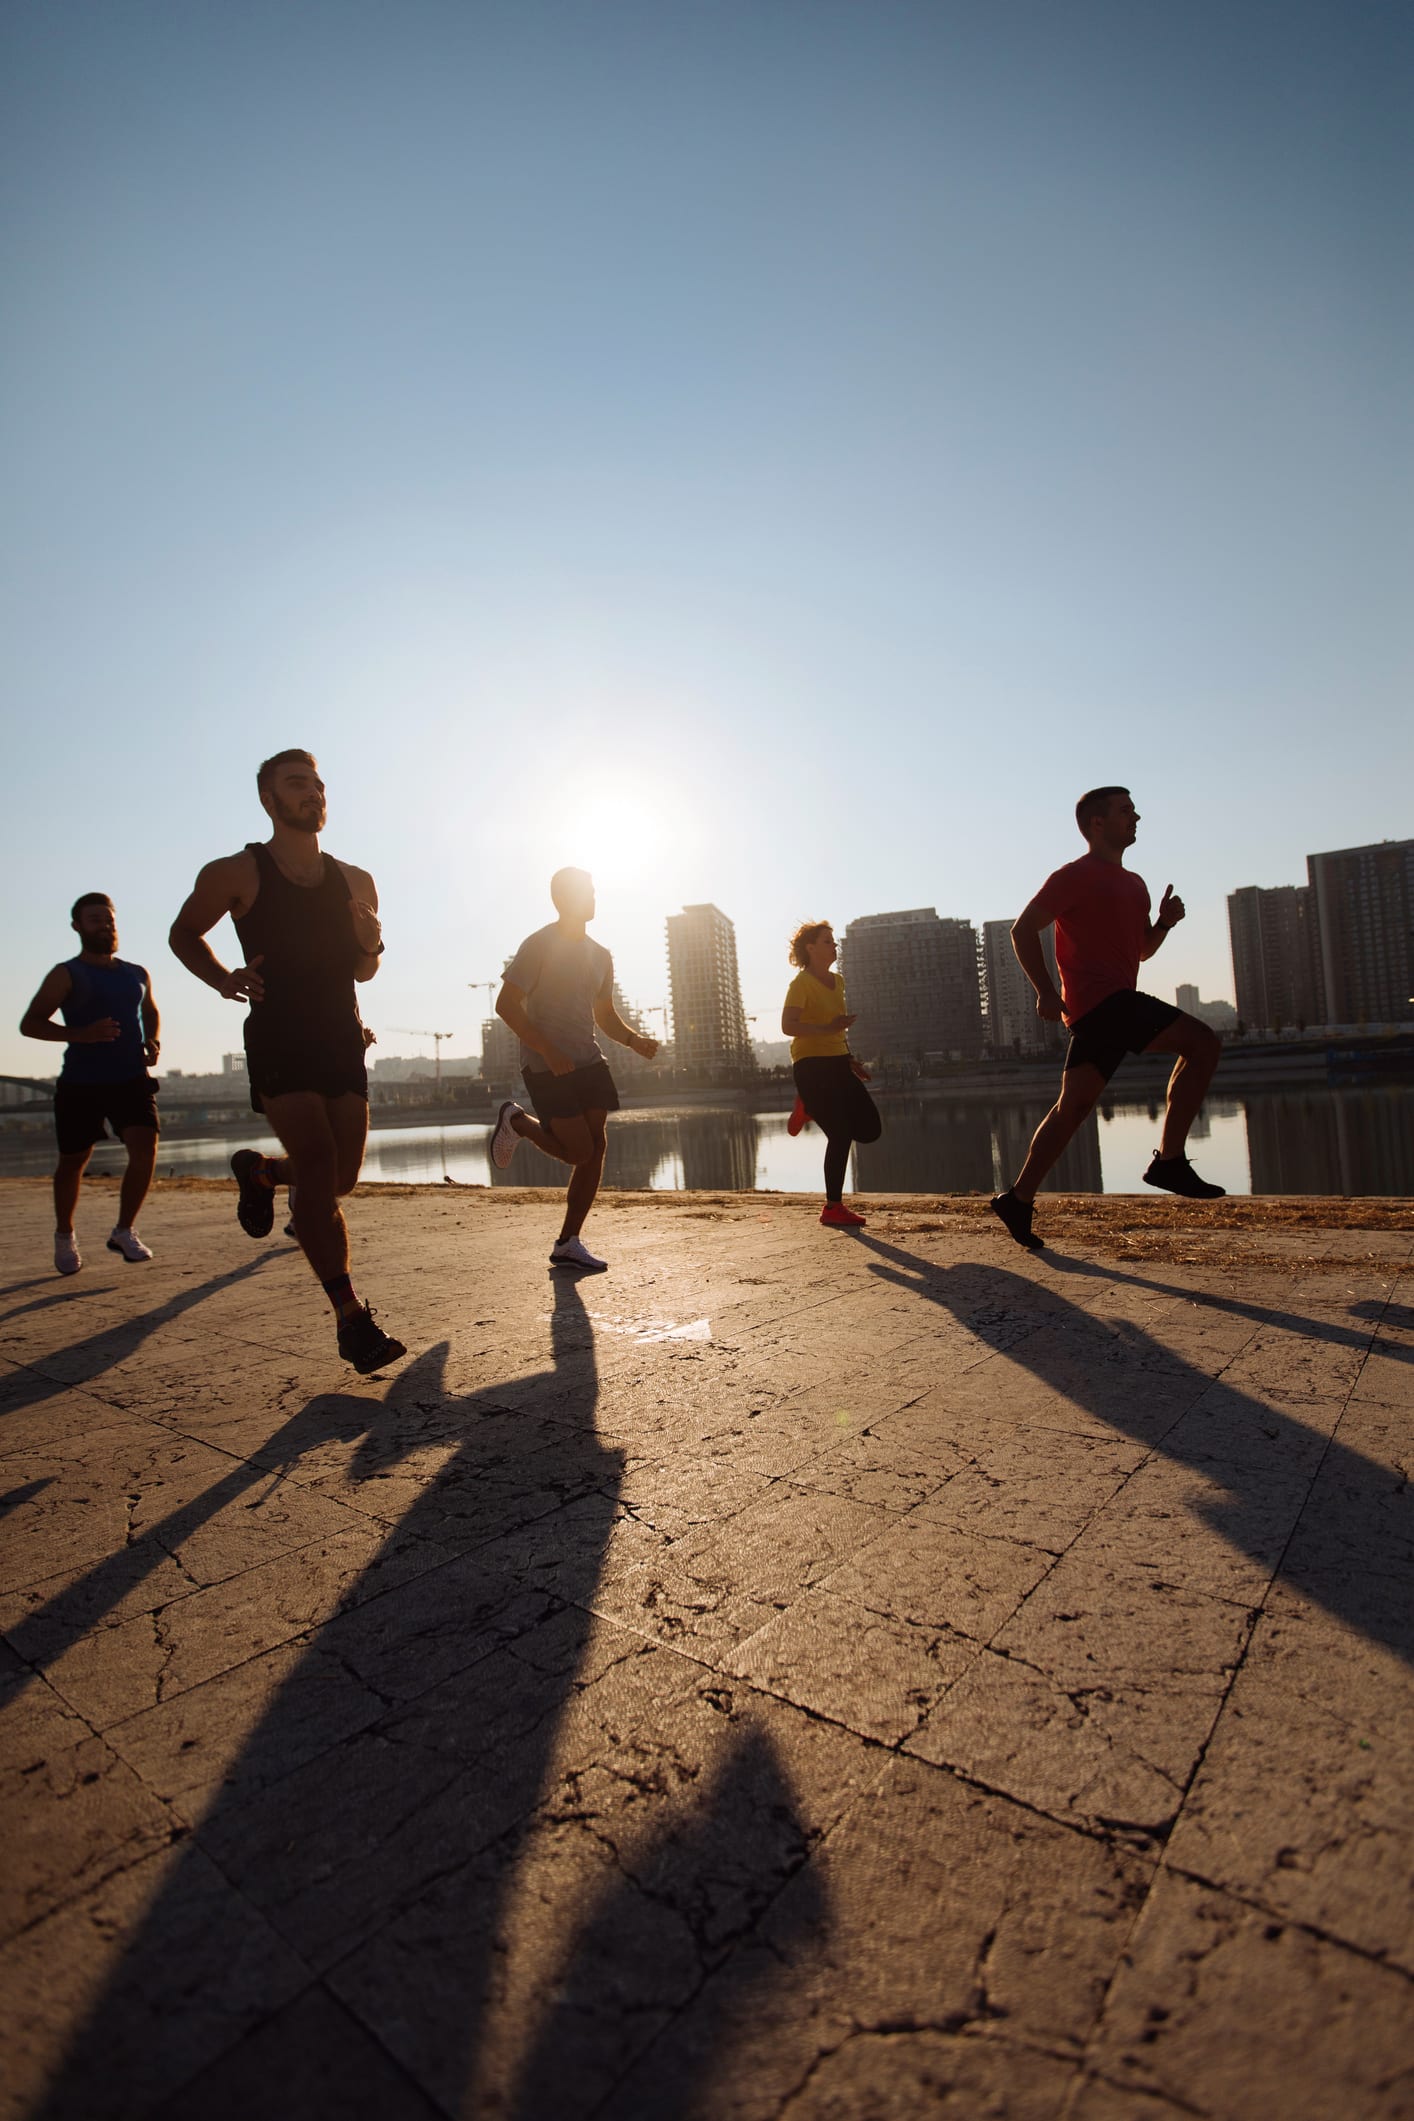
(1275,963)
(709,1024)
(1363,901)
(912,980)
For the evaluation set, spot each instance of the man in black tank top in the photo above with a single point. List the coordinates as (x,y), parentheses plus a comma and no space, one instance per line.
(309,931)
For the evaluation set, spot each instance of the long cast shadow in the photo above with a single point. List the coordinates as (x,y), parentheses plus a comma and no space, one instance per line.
(1353,1559)
(1323,1329)
(366,1838)
(93,1356)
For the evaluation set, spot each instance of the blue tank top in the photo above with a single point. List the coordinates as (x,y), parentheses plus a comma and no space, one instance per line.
(117,990)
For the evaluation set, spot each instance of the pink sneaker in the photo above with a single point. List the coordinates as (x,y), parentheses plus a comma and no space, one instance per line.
(799,1118)
(837,1217)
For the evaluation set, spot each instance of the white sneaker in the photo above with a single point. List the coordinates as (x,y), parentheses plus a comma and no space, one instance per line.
(130,1245)
(66,1252)
(569,1252)
(502,1144)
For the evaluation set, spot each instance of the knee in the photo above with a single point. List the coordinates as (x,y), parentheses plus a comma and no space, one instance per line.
(1211,1048)
(869,1130)
(317,1180)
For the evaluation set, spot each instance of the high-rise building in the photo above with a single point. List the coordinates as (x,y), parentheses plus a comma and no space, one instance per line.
(1363,904)
(709,1023)
(500,1052)
(1013,1026)
(1275,965)
(1219,1016)
(912,981)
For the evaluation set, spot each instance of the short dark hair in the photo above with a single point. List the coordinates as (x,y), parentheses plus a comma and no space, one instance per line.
(1094,803)
(89,898)
(266,774)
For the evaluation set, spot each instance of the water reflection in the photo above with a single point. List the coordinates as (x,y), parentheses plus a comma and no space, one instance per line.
(1316,1141)
(1079,1168)
(1332,1141)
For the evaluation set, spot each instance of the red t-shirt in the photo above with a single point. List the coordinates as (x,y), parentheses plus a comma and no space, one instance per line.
(1101,912)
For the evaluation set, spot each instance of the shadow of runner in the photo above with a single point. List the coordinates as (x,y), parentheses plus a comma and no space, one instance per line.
(84,1360)
(1329,1330)
(1353,1559)
(676,1904)
(326,1941)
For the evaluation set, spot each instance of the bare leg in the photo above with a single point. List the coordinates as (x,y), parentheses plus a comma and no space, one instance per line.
(1199,1050)
(584,1184)
(538,1133)
(1080,1093)
(141,1145)
(68,1177)
(302,1121)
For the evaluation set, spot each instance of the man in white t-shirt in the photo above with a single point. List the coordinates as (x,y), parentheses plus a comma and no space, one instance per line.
(558,988)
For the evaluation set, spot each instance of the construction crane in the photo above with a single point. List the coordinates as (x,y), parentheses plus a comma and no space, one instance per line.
(437,1036)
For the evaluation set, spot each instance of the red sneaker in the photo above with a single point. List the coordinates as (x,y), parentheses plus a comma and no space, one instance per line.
(837,1217)
(799,1118)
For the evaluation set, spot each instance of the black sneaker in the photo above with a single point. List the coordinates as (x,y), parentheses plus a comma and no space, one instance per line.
(1176,1175)
(1016,1214)
(255,1210)
(365,1344)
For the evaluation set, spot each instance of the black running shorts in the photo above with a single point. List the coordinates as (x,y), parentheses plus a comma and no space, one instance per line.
(587,1089)
(81,1110)
(1124,1022)
(331,1066)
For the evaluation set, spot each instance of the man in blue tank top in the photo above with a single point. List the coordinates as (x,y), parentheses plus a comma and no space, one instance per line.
(110,1040)
(309,931)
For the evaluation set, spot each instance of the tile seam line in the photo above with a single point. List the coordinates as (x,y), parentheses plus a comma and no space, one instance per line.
(886,1750)
(1162,1869)
(1363,1952)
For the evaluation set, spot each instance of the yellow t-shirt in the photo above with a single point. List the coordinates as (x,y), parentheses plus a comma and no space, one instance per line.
(817,1005)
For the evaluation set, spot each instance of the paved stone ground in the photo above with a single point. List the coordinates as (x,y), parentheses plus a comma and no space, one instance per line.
(791,1675)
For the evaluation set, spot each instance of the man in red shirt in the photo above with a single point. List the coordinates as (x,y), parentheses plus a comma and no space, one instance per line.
(1103,933)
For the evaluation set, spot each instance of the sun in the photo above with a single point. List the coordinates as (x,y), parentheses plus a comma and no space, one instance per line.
(621,828)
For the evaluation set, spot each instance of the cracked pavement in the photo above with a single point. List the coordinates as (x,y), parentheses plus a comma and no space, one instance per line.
(795,1674)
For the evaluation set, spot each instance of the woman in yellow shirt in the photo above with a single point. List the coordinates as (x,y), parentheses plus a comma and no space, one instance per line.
(828,1080)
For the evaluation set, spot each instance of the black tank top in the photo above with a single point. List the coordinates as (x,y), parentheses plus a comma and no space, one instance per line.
(305,936)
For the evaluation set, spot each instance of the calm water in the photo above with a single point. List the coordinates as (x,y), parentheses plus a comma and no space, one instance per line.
(1304,1141)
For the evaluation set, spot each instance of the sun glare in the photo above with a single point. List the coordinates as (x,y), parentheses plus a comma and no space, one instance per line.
(622,830)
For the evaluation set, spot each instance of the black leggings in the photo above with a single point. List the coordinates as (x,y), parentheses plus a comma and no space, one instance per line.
(841,1108)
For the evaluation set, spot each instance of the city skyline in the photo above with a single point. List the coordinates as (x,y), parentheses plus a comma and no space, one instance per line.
(770,456)
(635,1005)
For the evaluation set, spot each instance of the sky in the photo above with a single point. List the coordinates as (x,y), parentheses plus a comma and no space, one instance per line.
(773,453)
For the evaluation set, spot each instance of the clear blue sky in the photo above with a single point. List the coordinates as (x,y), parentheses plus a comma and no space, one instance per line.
(777,453)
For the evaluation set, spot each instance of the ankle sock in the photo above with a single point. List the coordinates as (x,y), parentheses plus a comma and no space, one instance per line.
(340,1292)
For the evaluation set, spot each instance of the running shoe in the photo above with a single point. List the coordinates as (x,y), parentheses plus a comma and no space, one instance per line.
(1016,1214)
(501,1145)
(66,1252)
(364,1343)
(837,1217)
(1174,1174)
(255,1209)
(569,1252)
(130,1245)
(799,1118)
